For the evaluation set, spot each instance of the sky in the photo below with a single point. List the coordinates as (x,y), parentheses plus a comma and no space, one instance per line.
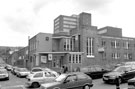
(22,18)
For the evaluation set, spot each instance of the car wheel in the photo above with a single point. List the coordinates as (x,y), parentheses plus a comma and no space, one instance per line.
(35,85)
(86,87)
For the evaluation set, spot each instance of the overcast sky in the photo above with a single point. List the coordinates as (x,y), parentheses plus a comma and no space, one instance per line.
(22,18)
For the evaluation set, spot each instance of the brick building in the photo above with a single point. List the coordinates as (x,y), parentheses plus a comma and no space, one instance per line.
(76,43)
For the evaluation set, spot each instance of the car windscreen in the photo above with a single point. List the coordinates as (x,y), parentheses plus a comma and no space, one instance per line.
(60,78)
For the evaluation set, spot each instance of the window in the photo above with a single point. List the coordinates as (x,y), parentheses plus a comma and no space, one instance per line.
(128,56)
(38,75)
(47,38)
(116,55)
(67,44)
(71,78)
(75,58)
(69,58)
(69,22)
(79,58)
(103,43)
(49,74)
(126,45)
(90,47)
(113,44)
(71,19)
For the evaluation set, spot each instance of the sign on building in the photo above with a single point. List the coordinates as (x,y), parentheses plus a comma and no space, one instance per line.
(44,59)
(49,56)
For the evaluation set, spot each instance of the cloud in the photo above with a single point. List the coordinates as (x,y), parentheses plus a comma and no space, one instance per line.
(39,4)
(92,4)
(18,25)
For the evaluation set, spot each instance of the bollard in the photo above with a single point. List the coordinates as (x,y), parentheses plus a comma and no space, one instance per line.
(117,82)
(0,87)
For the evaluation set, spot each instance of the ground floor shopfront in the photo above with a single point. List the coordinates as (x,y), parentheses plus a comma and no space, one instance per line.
(55,60)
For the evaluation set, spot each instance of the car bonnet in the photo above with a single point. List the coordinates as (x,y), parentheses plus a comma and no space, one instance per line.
(50,84)
(114,73)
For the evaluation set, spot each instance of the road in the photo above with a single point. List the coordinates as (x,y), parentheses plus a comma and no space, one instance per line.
(18,83)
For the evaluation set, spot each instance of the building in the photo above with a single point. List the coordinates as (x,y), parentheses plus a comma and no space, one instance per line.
(77,43)
(63,24)
(22,57)
(42,42)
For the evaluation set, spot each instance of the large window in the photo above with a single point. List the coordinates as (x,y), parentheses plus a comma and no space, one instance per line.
(103,43)
(115,44)
(90,47)
(67,44)
(126,45)
(116,55)
(75,58)
(127,56)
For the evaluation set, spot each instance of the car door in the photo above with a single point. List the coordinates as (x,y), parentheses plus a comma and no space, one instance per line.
(81,80)
(38,77)
(128,73)
(70,82)
(48,76)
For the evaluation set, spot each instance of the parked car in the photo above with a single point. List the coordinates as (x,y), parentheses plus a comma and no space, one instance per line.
(22,72)
(94,72)
(35,79)
(8,67)
(69,81)
(4,74)
(131,83)
(13,71)
(123,72)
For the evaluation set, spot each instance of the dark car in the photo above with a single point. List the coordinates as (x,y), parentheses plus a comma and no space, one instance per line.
(13,71)
(131,83)
(70,81)
(94,72)
(123,72)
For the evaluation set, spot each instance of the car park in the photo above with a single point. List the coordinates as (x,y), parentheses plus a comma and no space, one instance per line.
(35,79)
(95,71)
(74,80)
(4,74)
(123,72)
(22,72)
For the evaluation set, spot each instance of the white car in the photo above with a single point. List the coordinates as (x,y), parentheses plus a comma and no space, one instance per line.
(22,72)
(37,78)
(4,74)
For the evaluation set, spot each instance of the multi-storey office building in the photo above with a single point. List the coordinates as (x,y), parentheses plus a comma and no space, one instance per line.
(63,24)
(82,45)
